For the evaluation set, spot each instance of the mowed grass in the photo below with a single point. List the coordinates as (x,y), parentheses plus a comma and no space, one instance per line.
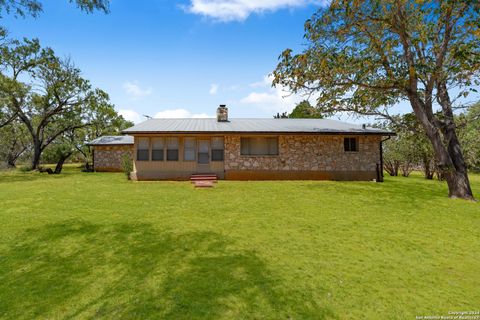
(94,245)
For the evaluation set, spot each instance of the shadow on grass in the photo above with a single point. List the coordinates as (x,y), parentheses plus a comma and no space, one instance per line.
(18,176)
(411,191)
(77,269)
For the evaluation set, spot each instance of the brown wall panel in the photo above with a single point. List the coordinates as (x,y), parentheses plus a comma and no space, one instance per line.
(300,175)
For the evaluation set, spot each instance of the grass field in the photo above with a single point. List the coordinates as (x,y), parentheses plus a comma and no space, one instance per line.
(93,245)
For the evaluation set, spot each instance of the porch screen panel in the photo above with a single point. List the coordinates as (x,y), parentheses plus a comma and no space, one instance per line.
(157,149)
(172,149)
(217,149)
(142,149)
(189,145)
(203,151)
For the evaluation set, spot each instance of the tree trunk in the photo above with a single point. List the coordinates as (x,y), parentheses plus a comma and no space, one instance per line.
(391,166)
(427,168)
(455,173)
(11,162)
(13,156)
(37,152)
(448,154)
(451,165)
(59,166)
(406,169)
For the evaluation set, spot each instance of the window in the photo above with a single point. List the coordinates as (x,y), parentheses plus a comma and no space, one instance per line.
(217,149)
(203,151)
(350,144)
(157,149)
(172,149)
(189,149)
(142,149)
(259,146)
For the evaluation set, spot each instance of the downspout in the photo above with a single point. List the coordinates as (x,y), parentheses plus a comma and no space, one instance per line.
(93,158)
(380,176)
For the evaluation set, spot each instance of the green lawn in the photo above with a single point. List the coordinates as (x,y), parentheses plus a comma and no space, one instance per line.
(94,245)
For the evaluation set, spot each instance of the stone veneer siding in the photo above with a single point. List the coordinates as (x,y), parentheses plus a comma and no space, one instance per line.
(306,157)
(109,158)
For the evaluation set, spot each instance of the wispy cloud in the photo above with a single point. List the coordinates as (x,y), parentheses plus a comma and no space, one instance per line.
(180,113)
(239,10)
(133,89)
(213,89)
(135,117)
(131,115)
(269,99)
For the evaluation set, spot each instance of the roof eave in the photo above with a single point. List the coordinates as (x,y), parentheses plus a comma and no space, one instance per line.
(386,133)
(110,144)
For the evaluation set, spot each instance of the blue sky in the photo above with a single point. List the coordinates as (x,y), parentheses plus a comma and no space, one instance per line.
(177,58)
(168,58)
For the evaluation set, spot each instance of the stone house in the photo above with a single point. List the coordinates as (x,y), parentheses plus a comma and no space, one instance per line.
(108,152)
(250,149)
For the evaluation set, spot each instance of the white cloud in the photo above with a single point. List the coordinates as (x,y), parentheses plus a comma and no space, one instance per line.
(239,10)
(180,113)
(135,117)
(134,89)
(266,82)
(264,98)
(131,115)
(213,89)
(270,99)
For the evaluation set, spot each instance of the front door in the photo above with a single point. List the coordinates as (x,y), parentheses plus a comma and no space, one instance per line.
(203,162)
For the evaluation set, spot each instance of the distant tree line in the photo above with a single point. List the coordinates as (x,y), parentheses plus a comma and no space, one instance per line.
(411,149)
(302,110)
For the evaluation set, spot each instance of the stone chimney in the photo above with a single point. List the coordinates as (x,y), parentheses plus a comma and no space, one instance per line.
(222,113)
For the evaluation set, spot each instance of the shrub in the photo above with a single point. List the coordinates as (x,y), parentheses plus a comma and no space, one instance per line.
(127,165)
(25,168)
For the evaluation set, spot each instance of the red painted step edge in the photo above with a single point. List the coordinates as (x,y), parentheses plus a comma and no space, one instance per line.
(203,184)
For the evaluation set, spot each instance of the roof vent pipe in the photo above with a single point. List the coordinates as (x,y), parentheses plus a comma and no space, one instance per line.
(222,113)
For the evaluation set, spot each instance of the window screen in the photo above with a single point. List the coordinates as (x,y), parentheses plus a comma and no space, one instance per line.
(350,144)
(157,149)
(259,146)
(189,145)
(217,149)
(203,151)
(142,149)
(172,149)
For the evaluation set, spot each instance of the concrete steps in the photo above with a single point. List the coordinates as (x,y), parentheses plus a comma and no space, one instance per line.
(203,180)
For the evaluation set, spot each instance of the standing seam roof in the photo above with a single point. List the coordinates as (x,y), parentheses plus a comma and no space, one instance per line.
(111,140)
(252,125)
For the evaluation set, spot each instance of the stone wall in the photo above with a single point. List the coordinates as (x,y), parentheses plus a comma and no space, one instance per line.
(109,158)
(307,153)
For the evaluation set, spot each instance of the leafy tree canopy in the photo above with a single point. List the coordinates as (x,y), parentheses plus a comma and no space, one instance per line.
(364,56)
(302,110)
(22,8)
(305,110)
(469,133)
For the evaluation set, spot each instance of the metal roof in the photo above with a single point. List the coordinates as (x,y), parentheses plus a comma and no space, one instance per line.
(310,126)
(111,140)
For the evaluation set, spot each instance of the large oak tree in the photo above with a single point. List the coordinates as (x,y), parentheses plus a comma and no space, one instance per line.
(47,93)
(365,56)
